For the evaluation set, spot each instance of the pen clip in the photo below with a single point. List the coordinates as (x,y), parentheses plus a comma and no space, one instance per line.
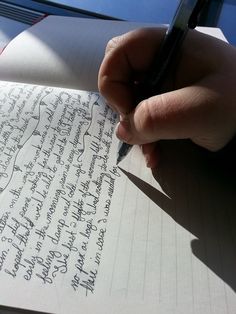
(193,20)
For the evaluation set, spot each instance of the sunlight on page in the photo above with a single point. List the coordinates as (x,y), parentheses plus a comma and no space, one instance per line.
(76,231)
(65,51)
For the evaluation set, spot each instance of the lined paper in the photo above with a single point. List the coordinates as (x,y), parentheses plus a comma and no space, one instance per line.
(169,245)
(176,251)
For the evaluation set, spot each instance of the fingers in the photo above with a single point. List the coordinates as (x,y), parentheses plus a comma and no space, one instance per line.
(127,57)
(151,154)
(160,117)
(201,106)
(193,112)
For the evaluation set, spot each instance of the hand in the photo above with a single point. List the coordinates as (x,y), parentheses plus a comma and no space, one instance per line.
(200,99)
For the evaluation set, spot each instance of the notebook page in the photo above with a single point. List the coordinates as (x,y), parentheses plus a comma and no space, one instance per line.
(60,51)
(180,242)
(64,51)
(57,177)
(134,242)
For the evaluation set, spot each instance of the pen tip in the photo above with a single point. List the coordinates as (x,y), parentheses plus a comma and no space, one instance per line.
(119,158)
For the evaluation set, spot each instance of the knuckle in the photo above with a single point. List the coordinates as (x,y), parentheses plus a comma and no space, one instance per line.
(112,44)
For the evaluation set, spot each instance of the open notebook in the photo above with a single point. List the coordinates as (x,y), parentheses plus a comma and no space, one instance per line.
(79,234)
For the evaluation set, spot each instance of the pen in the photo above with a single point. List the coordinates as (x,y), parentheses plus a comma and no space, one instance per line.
(186,17)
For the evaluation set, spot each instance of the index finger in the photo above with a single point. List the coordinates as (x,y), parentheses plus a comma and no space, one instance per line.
(127,57)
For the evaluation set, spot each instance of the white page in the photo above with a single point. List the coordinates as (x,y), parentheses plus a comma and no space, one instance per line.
(64,51)
(167,239)
(60,51)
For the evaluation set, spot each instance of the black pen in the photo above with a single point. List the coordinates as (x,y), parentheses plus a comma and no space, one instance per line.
(186,17)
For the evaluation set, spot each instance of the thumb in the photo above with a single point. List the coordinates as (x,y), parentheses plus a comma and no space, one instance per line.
(192,112)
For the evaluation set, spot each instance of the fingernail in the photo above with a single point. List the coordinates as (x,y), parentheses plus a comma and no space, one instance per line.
(147,159)
(151,155)
(123,130)
(146,156)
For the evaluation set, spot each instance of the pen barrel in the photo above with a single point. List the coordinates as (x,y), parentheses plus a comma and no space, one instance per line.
(159,70)
(185,17)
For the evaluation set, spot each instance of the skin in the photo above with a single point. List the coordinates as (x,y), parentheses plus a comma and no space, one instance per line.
(199,102)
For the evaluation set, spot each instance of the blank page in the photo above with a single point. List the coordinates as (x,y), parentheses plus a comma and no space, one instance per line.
(64,51)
